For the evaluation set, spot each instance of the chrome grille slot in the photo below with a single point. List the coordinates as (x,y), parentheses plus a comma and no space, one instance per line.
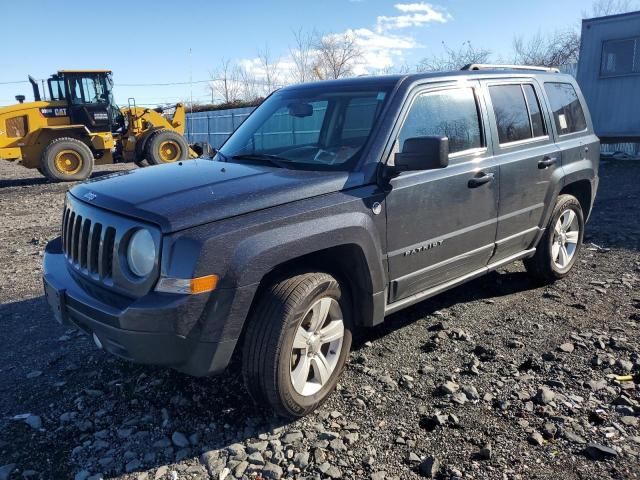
(105,267)
(94,246)
(75,238)
(84,242)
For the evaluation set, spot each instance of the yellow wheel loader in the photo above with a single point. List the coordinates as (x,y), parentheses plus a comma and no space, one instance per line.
(80,125)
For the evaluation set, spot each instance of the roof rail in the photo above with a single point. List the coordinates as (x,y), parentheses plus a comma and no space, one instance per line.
(490,66)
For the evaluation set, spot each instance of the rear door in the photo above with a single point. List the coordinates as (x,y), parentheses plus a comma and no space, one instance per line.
(441,224)
(528,159)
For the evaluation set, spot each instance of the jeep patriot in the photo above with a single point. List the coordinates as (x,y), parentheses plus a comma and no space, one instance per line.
(333,205)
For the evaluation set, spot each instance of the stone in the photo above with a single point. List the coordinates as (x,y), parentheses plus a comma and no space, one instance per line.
(596,451)
(536,439)
(272,471)
(485,452)
(629,421)
(566,347)
(429,467)
(301,460)
(256,459)
(544,396)
(459,397)
(448,388)
(235,449)
(597,385)
(34,421)
(133,465)
(378,475)
(471,392)
(161,472)
(413,458)
(257,446)
(292,437)
(179,440)
(81,475)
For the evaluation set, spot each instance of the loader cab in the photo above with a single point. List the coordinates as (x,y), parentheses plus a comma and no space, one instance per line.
(89,98)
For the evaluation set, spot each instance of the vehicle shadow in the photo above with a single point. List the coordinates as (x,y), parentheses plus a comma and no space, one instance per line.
(140,410)
(494,284)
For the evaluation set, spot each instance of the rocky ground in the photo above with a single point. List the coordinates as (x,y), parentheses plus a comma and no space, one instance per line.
(500,378)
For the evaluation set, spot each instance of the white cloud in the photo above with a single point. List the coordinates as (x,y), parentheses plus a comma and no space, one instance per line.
(415,15)
(380,51)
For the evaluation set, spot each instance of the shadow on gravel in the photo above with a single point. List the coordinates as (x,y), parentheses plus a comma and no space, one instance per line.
(39,180)
(492,285)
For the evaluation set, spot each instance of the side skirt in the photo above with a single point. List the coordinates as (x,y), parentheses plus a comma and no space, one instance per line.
(418,297)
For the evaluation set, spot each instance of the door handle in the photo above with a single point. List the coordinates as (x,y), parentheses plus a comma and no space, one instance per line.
(546,162)
(480,179)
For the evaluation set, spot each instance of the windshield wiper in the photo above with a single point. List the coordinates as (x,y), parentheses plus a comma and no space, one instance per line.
(273,159)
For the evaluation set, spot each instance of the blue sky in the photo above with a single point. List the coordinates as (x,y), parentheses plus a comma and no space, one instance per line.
(149,41)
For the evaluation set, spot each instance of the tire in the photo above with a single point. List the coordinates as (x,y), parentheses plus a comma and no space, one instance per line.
(270,359)
(165,146)
(562,236)
(67,160)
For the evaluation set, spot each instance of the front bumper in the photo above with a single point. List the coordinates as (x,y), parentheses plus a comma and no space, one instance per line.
(157,329)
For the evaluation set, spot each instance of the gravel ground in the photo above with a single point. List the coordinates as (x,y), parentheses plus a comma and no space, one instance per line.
(500,378)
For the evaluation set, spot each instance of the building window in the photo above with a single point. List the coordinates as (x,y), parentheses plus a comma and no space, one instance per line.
(620,57)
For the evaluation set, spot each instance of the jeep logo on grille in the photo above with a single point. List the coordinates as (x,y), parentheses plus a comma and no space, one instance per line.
(89,196)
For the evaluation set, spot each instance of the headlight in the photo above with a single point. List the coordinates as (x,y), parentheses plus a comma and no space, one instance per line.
(141,253)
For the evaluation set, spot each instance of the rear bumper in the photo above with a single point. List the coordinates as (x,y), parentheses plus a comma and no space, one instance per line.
(150,330)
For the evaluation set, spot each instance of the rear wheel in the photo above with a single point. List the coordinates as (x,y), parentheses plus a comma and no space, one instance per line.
(67,160)
(297,344)
(166,146)
(559,247)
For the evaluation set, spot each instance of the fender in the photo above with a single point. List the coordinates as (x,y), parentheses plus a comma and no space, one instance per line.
(256,256)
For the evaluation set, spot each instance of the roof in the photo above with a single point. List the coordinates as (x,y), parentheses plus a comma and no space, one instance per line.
(617,16)
(392,80)
(85,71)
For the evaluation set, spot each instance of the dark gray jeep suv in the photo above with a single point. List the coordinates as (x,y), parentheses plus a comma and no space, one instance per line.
(333,205)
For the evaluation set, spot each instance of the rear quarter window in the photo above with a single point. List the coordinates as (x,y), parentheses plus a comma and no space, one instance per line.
(567,111)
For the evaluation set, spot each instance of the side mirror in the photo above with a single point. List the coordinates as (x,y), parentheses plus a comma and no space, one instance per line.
(423,153)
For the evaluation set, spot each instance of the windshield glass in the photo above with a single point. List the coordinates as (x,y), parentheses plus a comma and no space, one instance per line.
(88,89)
(323,129)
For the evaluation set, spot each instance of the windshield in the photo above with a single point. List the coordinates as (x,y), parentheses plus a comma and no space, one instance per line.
(88,88)
(323,129)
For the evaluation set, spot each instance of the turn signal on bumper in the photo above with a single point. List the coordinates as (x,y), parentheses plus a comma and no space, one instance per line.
(189,286)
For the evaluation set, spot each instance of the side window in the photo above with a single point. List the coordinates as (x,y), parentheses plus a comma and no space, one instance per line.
(510,109)
(448,113)
(567,111)
(537,122)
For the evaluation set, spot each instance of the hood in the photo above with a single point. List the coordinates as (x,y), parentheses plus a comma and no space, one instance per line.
(195,192)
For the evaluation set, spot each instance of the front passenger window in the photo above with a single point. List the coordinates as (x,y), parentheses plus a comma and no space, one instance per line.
(448,113)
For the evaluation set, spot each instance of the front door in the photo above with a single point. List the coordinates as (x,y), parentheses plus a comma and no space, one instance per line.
(89,101)
(441,224)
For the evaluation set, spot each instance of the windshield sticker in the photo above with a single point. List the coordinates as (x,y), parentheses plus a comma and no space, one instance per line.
(381,96)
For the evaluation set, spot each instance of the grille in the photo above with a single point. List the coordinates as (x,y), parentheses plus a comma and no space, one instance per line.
(88,244)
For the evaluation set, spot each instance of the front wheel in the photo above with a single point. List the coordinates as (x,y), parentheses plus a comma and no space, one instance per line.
(559,247)
(297,343)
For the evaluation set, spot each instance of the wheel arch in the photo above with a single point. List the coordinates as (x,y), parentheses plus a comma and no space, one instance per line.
(582,190)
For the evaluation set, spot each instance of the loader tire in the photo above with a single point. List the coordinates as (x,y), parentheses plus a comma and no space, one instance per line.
(166,146)
(67,160)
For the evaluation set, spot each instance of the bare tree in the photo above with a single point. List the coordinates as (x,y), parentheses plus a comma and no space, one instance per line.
(225,81)
(337,55)
(251,88)
(601,8)
(556,49)
(269,67)
(303,54)
(453,59)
